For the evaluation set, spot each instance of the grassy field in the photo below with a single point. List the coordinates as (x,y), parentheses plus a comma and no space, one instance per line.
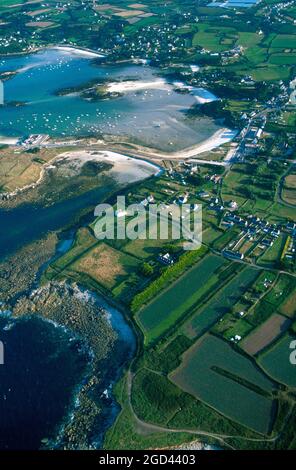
(214,39)
(283,59)
(84,240)
(282,289)
(284,41)
(146,249)
(276,361)
(106,265)
(288,305)
(19,169)
(220,303)
(214,373)
(171,304)
(225,239)
(273,253)
(289,188)
(270,73)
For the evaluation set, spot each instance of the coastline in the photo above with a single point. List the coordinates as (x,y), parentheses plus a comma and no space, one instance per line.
(148,156)
(74,49)
(78,51)
(201,95)
(9,140)
(122,169)
(220,137)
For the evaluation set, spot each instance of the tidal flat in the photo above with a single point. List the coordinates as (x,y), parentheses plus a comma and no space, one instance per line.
(154,112)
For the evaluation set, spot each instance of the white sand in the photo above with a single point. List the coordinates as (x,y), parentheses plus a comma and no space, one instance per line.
(131,86)
(125,169)
(9,140)
(220,137)
(77,51)
(201,94)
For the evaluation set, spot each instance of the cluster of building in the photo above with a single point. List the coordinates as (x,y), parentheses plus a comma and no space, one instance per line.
(254,228)
(15,39)
(35,140)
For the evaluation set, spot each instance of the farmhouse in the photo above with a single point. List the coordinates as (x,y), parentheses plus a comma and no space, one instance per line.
(166,259)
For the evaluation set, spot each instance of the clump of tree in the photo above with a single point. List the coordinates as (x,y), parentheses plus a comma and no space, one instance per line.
(168,275)
(146,269)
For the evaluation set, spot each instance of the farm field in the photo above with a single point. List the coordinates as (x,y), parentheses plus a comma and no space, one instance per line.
(211,365)
(273,253)
(145,249)
(84,240)
(214,39)
(106,265)
(171,304)
(220,303)
(276,361)
(283,59)
(18,170)
(265,334)
(270,73)
(289,189)
(285,41)
(288,306)
(283,287)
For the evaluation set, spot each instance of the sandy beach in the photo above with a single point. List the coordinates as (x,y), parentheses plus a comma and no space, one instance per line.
(219,138)
(131,86)
(77,51)
(125,169)
(9,140)
(222,136)
(201,94)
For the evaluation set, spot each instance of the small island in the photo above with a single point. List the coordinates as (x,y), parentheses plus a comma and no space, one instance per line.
(91,91)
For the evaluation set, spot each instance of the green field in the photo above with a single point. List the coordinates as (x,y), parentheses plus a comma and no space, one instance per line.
(276,361)
(284,41)
(220,303)
(214,39)
(283,59)
(282,289)
(171,304)
(270,73)
(229,382)
(84,240)
(273,253)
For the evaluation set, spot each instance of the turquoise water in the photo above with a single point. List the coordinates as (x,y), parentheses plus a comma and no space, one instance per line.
(146,116)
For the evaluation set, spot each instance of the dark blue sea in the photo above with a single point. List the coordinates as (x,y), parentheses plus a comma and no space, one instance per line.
(43,365)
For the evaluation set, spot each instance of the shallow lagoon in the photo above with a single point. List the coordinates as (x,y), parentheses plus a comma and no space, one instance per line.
(146,116)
